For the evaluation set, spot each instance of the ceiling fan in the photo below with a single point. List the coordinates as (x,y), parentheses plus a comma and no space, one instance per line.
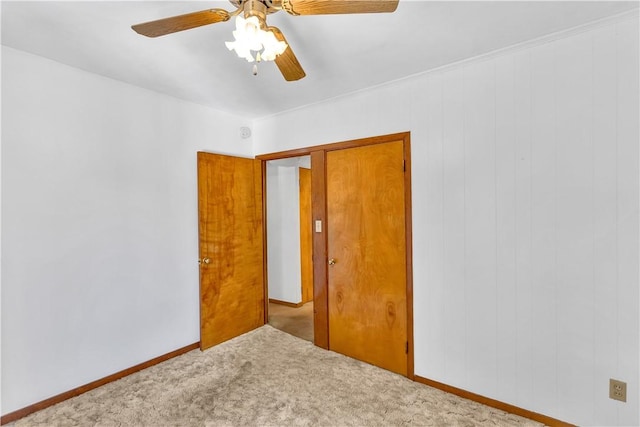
(252,33)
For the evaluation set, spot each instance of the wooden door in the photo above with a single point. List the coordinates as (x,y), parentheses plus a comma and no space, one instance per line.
(367,284)
(306,262)
(231,247)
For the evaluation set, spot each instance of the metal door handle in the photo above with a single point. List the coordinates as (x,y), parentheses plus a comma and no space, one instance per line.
(204,261)
(332,261)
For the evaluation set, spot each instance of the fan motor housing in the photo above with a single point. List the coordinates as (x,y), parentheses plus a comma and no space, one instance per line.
(269,6)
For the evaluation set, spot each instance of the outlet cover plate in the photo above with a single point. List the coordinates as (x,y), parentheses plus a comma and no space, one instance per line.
(617,390)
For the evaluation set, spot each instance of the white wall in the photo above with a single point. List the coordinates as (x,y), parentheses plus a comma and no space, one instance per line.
(99,224)
(1,411)
(525,212)
(283,232)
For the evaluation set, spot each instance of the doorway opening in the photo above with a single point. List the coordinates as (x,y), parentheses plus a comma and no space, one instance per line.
(361,247)
(289,246)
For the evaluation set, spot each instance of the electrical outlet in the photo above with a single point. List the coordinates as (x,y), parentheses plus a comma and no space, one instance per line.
(617,390)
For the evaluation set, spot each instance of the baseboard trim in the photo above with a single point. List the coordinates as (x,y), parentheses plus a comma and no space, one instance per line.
(493,403)
(20,413)
(288,304)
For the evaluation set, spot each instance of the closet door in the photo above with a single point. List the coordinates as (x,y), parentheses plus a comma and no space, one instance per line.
(366,250)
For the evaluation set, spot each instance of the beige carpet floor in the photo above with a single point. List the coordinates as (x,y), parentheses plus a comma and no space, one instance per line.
(268,378)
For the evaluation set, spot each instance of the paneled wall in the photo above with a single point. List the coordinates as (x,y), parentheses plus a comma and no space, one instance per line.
(526,184)
(99,224)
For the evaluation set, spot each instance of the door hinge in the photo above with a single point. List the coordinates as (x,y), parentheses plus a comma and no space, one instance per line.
(406,347)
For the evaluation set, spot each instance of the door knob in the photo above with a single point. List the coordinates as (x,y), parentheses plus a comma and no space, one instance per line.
(332,261)
(204,260)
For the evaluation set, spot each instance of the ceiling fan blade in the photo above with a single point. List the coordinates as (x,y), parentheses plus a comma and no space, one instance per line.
(326,7)
(181,22)
(287,61)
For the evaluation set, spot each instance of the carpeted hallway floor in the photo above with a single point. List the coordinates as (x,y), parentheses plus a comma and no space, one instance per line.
(268,378)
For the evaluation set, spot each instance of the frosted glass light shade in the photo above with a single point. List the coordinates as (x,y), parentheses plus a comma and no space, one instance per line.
(249,37)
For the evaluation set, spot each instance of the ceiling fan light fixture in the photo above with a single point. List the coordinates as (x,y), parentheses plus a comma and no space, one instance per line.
(253,36)
(241,51)
(272,46)
(250,37)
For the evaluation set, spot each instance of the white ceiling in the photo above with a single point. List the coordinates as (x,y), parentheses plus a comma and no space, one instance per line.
(340,53)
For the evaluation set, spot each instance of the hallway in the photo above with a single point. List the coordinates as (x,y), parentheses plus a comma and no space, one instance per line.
(295,321)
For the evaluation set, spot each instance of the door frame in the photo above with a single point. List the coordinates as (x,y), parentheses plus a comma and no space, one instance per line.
(319,212)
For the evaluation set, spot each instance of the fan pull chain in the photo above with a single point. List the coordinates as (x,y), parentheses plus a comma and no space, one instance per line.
(255,66)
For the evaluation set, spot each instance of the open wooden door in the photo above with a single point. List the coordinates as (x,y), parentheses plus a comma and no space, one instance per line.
(231,247)
(367,251)
(306,237)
